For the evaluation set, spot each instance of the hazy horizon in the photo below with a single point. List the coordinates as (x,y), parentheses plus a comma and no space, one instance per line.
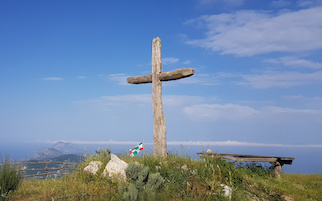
(305,157)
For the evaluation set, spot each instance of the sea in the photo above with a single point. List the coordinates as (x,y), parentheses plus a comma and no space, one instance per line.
(308,160)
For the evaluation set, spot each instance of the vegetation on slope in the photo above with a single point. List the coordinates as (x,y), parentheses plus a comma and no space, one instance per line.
(174,178)
(10,179)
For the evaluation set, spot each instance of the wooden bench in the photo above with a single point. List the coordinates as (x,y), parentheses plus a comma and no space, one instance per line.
(277,161)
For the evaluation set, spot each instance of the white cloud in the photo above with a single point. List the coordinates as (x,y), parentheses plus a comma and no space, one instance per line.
(176,100)
(247,33)
(105,103)
(206,116)
(198,108)
(280,79)
(213,112)
(232,112)
(309,3)
(124,99)
(119,78)
(295,62)
(52,78)
(299,120)
(169,60)
(310,102)
(81,77)
(187,62)
(201,108)
(289,111)
(139,100)
(201,79)
(264,80)
(300,97)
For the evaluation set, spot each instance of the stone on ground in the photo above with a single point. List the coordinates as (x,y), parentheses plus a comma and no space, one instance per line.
(115,168)
(93,166)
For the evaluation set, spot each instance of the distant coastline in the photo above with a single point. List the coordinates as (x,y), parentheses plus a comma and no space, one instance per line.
(305,158)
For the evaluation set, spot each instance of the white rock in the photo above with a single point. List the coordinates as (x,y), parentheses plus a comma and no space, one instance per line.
(184,167)
(227,191)
(115,168)
(93,166)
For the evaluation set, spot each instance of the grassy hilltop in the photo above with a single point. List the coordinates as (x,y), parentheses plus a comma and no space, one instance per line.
(183,178)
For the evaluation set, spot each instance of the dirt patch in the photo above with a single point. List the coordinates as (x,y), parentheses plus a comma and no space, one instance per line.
(287,198)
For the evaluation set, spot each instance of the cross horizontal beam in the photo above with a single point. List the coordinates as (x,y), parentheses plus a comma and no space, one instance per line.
(164,76)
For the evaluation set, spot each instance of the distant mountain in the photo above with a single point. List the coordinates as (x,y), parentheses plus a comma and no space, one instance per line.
(66,148)
(46,154)
(57,150)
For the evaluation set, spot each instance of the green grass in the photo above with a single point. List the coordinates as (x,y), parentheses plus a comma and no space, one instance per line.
(184,178)
(302,187)
(67,188)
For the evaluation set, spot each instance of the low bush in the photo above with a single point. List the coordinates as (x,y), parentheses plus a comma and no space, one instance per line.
(143,185)
(10,178)
(103,155)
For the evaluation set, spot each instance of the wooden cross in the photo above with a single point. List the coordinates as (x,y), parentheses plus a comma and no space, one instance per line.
(157,76)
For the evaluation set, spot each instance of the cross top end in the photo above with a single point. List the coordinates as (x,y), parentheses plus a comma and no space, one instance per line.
(162,76)
(156,39)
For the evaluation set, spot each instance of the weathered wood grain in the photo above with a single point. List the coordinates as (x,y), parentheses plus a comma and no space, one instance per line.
(164,76)
(160,131)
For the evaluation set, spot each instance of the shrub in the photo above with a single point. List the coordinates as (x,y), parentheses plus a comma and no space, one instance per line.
(143,184)
(137,171)
(103,155)
(10,179)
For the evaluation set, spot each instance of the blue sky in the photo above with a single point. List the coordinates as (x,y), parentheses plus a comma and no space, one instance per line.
(258,71)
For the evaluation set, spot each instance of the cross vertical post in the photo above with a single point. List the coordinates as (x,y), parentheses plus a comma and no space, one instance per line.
(157,76)
(160,131)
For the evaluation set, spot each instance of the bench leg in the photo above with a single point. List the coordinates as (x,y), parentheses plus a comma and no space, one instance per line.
(278,170)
